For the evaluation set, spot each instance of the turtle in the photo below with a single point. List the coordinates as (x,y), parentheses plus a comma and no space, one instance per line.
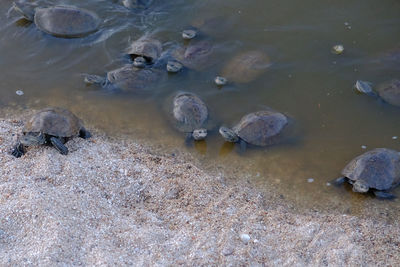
(60,21)
(246,66)
(377,170)
(260,128)
(148,48)
(388,91)
(127,78)
(132,4)
(53,125)
(196,55)
(190,115)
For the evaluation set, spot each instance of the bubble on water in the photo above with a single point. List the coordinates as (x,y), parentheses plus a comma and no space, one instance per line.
(310,180)
(19,92)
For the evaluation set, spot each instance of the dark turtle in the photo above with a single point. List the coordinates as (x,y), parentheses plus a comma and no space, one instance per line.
(246,66)
(190,115)
(261,128)
(60,21)
(128,79)
(196,55)
(53,126)
(377,170)
(389,91)
(148,48)
(133,4)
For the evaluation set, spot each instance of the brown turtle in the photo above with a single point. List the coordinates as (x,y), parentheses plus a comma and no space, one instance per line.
(377,170)
(148,48)
(128,78)
(246,66)
(261,128)
(60,21)
(197,55)
(189,114)
(388,91)
(53,126)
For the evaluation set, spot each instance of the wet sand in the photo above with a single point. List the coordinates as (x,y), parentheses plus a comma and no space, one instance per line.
(116,202)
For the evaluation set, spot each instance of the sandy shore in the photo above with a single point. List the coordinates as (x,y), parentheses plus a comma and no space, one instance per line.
(113,202)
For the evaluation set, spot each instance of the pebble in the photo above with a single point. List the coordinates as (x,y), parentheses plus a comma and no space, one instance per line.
(245,238)
(328,184)
(19,92)
(364,147)
(394,137)
(310,180)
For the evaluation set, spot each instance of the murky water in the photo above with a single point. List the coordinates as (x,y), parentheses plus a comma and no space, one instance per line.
(305,81)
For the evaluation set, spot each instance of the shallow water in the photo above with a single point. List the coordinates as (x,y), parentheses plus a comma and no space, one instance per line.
(305,81)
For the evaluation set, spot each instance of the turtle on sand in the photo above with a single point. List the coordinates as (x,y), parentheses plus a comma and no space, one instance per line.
(60,21)
(377,170)
(261,128)
(53,126)
(127,78)
(388,91)
(246,67)
(189,114)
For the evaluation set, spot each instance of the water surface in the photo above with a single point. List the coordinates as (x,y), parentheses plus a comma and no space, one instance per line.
(305,81)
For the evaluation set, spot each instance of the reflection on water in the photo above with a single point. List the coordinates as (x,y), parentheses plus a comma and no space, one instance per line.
(305,81)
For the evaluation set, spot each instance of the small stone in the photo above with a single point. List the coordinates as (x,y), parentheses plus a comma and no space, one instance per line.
(328,184)
(245,238)
(338,49)
(220,81)
(228,250)
(189,34)
(310,180)
(394,137)
(19,92)
(364,147)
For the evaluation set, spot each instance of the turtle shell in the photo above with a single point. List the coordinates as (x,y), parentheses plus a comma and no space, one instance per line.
(390,92)
(66,21)
(58,122)
(189,112)
(148,48)
(378,168)
(246,66)
(132,79)
(261,128)
(195,56)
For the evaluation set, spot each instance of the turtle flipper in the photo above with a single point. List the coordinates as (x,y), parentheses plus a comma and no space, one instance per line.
(85,134)
(189,140)
(243,146)
(383,195)
(58,144)
(18,150)
(25,9)
(339,181)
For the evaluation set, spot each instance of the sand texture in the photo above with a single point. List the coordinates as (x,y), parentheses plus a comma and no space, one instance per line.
(113,202)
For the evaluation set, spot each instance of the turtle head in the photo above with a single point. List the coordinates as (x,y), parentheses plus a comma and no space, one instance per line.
(25,9)
(228,134)
(360,187)
(32,139)
(139,62)
(95,79)
(199,134)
